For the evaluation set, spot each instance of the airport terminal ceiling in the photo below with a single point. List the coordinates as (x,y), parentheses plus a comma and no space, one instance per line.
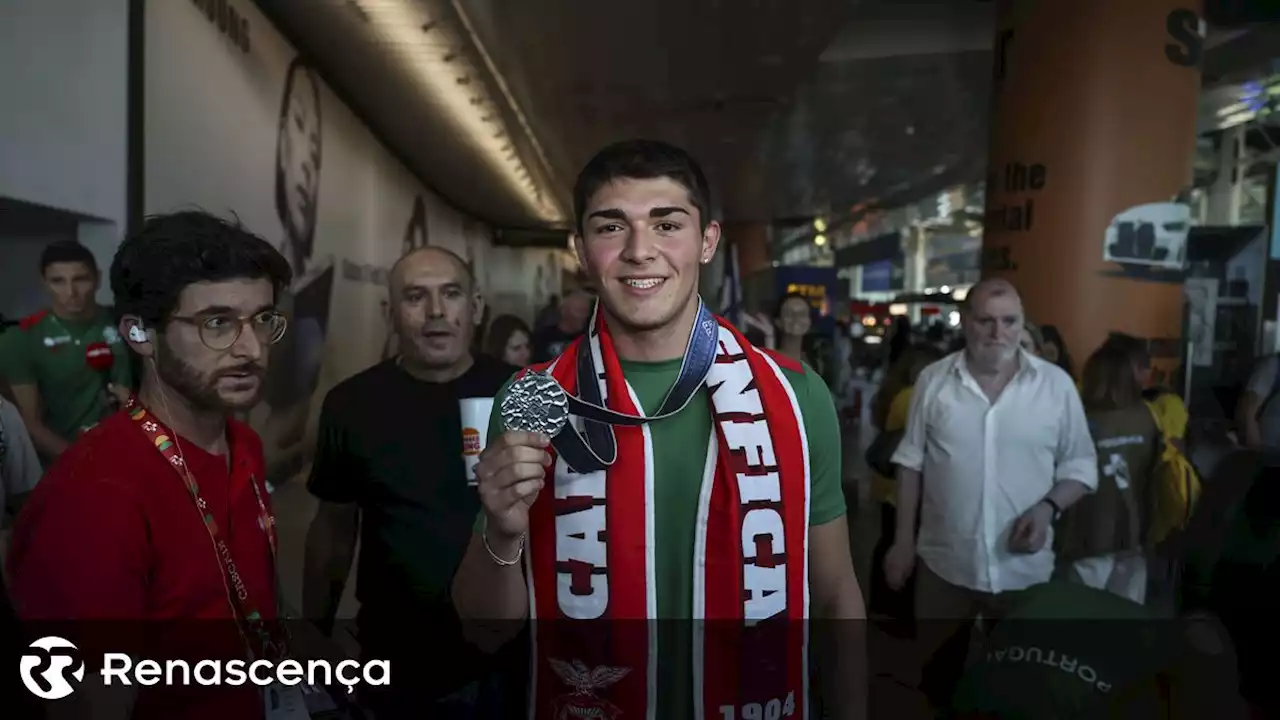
(796,107)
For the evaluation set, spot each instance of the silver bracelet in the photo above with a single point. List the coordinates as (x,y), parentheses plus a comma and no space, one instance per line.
(484,537)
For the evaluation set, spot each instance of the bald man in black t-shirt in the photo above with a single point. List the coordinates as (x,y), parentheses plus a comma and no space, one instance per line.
(389,462)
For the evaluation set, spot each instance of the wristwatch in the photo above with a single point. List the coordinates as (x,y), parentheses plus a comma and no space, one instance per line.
(1057,510)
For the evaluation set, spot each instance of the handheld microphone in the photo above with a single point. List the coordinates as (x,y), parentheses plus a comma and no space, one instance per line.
(98,357)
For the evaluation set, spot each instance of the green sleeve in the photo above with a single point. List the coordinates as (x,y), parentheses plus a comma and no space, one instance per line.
(495,429)
(495,417)
(15,358)
(822,430)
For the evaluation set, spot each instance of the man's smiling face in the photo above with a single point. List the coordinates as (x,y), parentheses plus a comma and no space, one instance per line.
(641,244)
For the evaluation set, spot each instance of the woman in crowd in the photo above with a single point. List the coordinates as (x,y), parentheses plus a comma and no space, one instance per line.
(889,416)
(793,323)
(1054,349)
(1171,412)
(508,340)
(1031,340)
(1099,540)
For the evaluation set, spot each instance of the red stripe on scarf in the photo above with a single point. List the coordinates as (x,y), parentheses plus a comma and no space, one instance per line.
(580,660)
(598,661)
(749,669)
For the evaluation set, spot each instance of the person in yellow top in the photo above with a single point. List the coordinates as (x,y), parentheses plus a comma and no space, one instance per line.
(889,415)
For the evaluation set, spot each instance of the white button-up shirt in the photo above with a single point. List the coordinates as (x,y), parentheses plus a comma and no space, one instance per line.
(984,464)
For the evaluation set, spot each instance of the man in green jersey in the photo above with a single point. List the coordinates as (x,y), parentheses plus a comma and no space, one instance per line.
(67,364)
(643,232)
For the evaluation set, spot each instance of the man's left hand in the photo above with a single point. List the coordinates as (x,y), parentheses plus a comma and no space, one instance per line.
(1031,529)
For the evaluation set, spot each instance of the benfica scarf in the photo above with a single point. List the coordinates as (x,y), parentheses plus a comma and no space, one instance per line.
(590,555)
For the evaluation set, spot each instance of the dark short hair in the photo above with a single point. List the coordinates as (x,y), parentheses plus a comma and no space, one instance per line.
(66,251)
(642,160)
(170,252)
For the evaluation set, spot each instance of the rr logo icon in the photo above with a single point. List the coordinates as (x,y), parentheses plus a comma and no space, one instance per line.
(46,665)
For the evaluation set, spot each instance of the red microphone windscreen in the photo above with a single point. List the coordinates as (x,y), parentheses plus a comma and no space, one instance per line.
(98,356)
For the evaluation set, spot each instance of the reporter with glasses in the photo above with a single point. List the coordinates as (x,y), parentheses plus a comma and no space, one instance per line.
(159,516)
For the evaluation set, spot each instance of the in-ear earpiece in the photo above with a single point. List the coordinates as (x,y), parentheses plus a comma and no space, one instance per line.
(137,334)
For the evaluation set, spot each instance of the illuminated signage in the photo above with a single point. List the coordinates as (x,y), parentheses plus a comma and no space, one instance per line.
(815,294)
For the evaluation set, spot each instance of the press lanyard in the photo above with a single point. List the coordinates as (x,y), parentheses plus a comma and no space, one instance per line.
(237,594)
(597,447)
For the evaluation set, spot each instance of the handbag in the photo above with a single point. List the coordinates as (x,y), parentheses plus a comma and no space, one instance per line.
(879,455)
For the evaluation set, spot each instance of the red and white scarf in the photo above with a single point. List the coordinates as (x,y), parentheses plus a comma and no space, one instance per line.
(590,555)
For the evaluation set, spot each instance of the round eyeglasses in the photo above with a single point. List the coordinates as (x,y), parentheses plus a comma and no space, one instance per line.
(219,332)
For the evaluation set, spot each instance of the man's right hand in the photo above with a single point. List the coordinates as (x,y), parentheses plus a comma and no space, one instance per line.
(898,564)
(510,474)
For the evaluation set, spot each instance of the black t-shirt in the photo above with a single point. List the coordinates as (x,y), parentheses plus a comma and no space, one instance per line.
(393,444)
(549,342)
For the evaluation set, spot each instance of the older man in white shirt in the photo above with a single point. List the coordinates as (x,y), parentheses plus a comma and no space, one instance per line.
(1000,439)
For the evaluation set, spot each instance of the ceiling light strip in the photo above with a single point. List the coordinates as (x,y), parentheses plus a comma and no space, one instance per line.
(401,28)
(506,91)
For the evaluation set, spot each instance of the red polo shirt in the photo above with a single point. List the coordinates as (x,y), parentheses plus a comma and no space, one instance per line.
(111,534)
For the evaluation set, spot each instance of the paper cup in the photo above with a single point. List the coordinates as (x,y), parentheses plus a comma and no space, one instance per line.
(475,432)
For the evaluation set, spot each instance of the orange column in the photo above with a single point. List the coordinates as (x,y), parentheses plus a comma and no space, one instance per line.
(1093,131)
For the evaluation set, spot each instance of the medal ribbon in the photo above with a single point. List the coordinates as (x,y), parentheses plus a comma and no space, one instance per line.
(596,448)
(237,594)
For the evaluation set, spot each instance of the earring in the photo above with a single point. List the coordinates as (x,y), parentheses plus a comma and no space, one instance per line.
(137,334)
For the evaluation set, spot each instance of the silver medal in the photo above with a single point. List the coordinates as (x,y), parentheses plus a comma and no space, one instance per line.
(536,403)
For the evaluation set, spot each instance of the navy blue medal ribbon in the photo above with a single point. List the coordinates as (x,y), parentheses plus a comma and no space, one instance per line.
(596,448)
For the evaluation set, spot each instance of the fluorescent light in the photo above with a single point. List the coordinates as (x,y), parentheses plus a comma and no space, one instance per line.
(399,23)
(898,309)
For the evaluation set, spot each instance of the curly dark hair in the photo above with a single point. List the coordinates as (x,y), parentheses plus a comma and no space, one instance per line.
(167,253)
(642,160)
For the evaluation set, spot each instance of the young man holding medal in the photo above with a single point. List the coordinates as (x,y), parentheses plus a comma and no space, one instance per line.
(698,482)
(159,515)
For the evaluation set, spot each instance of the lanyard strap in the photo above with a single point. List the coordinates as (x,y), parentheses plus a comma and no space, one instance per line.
(596,448)
(237,594)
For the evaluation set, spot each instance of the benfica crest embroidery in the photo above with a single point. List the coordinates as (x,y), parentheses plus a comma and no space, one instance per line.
(583,702)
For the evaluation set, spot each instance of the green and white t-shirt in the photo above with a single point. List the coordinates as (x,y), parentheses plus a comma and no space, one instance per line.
(680,455)
(49,353)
